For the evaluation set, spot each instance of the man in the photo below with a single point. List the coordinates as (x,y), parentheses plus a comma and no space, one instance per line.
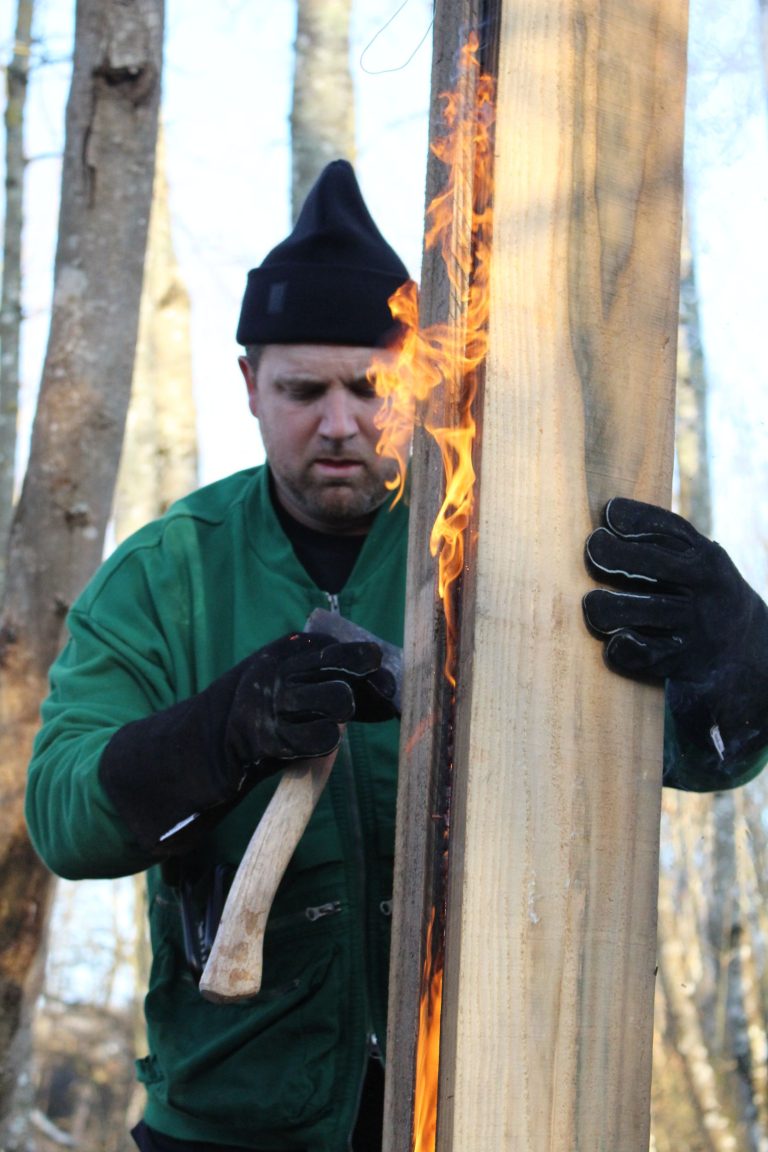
(187,684)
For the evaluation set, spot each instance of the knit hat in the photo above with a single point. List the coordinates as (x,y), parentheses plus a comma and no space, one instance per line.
(329,281)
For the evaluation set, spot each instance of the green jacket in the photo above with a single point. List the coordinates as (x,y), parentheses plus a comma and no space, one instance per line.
(176,606)
(181,602)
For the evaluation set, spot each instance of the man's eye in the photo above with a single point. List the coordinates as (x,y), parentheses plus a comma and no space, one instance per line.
(303,394)
(364,389)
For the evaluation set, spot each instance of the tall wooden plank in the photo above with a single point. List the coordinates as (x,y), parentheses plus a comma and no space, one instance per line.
(427,693)
(550,954)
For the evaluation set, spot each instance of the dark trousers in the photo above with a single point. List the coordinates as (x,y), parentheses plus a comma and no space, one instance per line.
(365,1138)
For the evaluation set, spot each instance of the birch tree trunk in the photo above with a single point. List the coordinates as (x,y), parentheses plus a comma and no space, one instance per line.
(159,459)
(58,529)
(10,294)
(323,112)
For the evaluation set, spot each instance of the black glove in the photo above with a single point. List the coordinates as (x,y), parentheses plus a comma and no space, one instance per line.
(285,702)
(292,696)
(684,614)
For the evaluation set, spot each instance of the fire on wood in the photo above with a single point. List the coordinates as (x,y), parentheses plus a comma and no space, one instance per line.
(446,355)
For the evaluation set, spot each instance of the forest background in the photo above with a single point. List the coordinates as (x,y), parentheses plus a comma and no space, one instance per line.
(226,165)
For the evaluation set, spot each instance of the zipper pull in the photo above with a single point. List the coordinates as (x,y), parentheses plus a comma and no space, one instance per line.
(321,910)
(333,603)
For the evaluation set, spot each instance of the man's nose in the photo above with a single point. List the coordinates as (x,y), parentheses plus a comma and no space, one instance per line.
(338,420)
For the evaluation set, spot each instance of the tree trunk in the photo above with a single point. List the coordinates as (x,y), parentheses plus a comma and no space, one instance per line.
(323,113)
(710,1040)
(685,1033)
(58,529)
(159,458)
(10,301)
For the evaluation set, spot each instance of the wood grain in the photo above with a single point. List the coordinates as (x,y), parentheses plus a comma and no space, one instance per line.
(553,858)
(426,694)
(550,957)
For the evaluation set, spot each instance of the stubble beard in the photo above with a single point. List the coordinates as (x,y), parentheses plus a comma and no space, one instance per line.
(341,504)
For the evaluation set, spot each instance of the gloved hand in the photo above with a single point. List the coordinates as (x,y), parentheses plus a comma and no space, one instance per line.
(682,613)
(286,701)
(292,695)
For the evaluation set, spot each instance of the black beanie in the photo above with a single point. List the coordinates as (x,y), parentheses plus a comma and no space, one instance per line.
(329,281)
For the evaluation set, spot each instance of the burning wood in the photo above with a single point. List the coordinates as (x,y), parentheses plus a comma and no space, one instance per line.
(447,355)
(541,944)
(428,1051)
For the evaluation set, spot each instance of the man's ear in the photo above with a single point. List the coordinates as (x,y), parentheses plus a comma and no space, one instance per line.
(250,382)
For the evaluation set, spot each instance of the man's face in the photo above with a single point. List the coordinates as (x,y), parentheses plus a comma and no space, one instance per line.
(316,410)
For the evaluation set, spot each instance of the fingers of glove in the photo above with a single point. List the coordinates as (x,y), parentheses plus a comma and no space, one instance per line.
(634,520)
(643,657)
(637,563)
(358,658)
(356,664)
(313,738)
(606,613)
(368,697)
(331,699)
(375,697)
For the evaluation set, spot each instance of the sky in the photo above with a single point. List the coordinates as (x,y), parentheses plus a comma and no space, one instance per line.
(727,195)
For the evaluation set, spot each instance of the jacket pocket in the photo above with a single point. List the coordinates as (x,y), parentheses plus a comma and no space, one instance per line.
(260,1068)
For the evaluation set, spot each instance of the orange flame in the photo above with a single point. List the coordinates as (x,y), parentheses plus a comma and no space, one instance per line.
(428,1052)
(460,221)
(447,355)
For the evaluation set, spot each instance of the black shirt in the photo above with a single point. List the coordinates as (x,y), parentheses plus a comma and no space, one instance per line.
(328,558)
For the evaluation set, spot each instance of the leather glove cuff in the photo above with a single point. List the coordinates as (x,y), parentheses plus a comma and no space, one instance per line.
(176,769)
(175,773)
(696,764)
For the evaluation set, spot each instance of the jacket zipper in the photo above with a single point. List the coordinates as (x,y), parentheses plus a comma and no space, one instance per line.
(357,834)
(322,910)
(372,1043)
(312,913)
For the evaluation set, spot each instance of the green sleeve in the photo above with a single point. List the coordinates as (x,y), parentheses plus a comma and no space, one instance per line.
(695,769)
(101,681)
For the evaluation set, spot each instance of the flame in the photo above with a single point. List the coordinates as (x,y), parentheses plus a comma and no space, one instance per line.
(445,355)
(428,1052)
(459,220)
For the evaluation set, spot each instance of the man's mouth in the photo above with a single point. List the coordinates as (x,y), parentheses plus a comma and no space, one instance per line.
(337,465)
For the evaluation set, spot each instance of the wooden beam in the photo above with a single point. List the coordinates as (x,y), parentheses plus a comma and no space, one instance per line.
(553,851)
(421,787)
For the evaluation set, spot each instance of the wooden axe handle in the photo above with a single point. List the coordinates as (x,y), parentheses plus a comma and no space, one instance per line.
(233,971)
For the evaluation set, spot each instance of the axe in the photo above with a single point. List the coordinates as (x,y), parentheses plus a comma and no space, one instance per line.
(234,968)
